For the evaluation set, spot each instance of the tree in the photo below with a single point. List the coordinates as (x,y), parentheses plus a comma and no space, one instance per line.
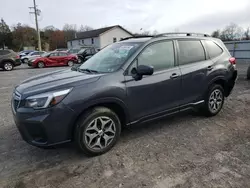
(85,28)
(231,32)
(69,31)
(216,34)
(5,35)
(23,35)
(247,34)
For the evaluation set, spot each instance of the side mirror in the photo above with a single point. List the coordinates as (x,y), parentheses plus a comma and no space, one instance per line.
(141,71)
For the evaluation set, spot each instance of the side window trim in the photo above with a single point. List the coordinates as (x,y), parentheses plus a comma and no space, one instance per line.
(222,50)
(178,51)
(135,60)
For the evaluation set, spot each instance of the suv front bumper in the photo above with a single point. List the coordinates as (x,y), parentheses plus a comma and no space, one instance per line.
(45,127)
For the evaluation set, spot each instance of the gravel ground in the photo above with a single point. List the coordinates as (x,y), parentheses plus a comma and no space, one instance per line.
(183,151)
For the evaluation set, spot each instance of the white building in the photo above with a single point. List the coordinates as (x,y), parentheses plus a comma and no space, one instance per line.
(99,38)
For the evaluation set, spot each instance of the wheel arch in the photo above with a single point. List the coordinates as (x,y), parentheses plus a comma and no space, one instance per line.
(114,104)
(220,81)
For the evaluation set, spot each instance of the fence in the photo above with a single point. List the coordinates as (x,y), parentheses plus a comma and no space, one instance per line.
(239,49)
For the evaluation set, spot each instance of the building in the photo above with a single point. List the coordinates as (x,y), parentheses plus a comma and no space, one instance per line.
(99,38)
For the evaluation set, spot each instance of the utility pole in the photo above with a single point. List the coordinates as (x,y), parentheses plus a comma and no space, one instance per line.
(37,12)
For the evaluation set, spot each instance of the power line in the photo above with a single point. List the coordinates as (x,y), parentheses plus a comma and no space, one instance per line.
(37,12)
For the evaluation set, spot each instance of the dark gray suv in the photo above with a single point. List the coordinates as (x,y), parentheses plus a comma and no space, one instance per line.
(131,81)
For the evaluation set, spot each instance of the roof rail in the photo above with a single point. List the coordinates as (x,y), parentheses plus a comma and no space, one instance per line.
(139,36)
(182,33)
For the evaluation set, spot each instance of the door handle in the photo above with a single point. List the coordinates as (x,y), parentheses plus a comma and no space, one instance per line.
(210,67)
(174,75)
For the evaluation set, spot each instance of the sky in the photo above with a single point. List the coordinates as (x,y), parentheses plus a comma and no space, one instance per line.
(161,15)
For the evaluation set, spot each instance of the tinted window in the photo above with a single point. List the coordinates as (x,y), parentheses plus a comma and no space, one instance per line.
(159,55)
(213,49)
(53,54)
(62,54)
(190,52)
(4,52)
(88,51)
(35,53)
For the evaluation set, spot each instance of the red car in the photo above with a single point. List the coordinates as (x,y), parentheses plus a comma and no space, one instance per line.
(53,59)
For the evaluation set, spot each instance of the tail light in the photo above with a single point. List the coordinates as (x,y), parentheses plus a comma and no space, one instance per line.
(17,57)
(232,60)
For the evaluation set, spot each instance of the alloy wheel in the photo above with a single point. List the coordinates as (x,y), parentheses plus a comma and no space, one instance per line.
(100,133)
(8,66)
(215,101)
(70,63)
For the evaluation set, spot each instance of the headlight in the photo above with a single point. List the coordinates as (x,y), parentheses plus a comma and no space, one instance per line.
(46,100)
(33,60)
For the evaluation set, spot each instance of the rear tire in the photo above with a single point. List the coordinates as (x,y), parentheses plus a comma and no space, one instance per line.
(8,66)
(40,64)
(248,73)
(97,131)
(25,60)
(214,100)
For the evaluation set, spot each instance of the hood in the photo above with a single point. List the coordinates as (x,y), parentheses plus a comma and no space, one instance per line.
(56,80)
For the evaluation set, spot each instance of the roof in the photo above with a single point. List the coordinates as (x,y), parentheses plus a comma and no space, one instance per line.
(96,32)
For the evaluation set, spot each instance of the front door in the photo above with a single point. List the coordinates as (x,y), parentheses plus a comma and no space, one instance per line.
(52,59)
(159,92)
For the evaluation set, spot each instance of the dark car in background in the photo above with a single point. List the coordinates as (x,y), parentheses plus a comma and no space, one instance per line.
(132,81)
(9,59)
(54,59)
(85,53)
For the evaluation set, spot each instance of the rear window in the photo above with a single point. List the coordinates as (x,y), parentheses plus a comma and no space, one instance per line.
(190,52)
(213,49)
(4,52)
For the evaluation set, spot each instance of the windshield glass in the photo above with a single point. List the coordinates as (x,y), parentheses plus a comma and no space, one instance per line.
(111,58)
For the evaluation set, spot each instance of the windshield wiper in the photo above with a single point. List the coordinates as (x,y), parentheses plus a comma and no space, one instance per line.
(87,70)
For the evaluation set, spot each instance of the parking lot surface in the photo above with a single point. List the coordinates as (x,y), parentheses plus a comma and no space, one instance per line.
(184,151)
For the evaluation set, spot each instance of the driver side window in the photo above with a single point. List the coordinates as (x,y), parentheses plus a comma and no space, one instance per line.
(159,55)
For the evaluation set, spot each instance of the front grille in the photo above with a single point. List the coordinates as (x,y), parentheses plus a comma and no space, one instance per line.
(16,100)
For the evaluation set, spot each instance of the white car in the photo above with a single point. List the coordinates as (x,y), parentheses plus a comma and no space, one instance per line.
(32,55)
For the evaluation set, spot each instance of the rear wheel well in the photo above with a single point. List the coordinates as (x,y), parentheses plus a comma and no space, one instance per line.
(116,108)
(224,85)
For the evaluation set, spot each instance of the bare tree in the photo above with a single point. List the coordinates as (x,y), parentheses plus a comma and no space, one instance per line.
(216,34)
(247,34)
(85,28)
(231,32)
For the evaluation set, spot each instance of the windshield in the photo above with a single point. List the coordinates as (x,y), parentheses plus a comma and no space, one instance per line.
(111,58)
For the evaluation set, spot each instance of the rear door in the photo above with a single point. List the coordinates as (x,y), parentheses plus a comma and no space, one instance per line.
(63,58)
(194,65)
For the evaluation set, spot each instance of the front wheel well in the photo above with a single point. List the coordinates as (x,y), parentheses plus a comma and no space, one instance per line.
(116,108)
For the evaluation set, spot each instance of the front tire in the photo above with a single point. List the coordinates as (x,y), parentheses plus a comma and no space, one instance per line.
(214,100)
(25,60)
(40,64)
(97,131)
(8,66)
